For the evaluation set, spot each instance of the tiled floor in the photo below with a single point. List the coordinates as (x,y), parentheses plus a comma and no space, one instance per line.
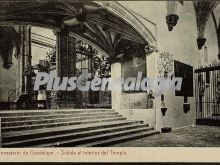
(198,136)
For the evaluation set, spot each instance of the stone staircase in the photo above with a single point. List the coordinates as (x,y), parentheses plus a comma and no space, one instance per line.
(67,128)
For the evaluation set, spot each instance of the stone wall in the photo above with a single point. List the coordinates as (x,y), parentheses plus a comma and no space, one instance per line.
(181,43)
(7,79)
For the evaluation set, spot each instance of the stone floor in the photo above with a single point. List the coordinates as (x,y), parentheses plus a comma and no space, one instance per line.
(198,136)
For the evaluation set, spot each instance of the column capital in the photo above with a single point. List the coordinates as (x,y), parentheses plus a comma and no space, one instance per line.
(62,29)
(150,49)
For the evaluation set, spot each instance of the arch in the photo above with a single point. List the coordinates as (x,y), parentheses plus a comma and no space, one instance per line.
(89,42)
(130,18)
(47,17)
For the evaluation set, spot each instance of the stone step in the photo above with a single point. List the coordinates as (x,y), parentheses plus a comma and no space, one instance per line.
(211,121)
(55,120)
(57,124)
(20,113)
(69,127)
(115,140)
(61,137)
(51,116)
(216,114)
(37,133)
(95,138)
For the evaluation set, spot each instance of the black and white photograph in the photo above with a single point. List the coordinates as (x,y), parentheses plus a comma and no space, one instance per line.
(109,74)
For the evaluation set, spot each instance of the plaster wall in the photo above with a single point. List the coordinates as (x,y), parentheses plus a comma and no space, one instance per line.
(181,43)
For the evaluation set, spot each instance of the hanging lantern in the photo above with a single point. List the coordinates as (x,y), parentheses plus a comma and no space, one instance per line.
(163,106)
(203,10)
(186,105)
(163,109)
(201,42)
(171,17)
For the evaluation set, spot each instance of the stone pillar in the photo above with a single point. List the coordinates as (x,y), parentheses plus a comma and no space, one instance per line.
(65,65)
(116,94)
(153,72)
(151,65)
(24,61)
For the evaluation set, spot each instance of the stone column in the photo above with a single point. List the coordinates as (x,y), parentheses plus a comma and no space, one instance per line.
(116,94)
(65,65)
(24,61)
(152,72)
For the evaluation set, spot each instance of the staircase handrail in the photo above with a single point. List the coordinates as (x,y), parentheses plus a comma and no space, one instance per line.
(13,91)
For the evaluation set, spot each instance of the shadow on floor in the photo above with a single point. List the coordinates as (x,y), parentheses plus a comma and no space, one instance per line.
(198,136)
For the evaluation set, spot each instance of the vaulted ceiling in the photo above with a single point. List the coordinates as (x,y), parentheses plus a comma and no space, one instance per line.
(95,23)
